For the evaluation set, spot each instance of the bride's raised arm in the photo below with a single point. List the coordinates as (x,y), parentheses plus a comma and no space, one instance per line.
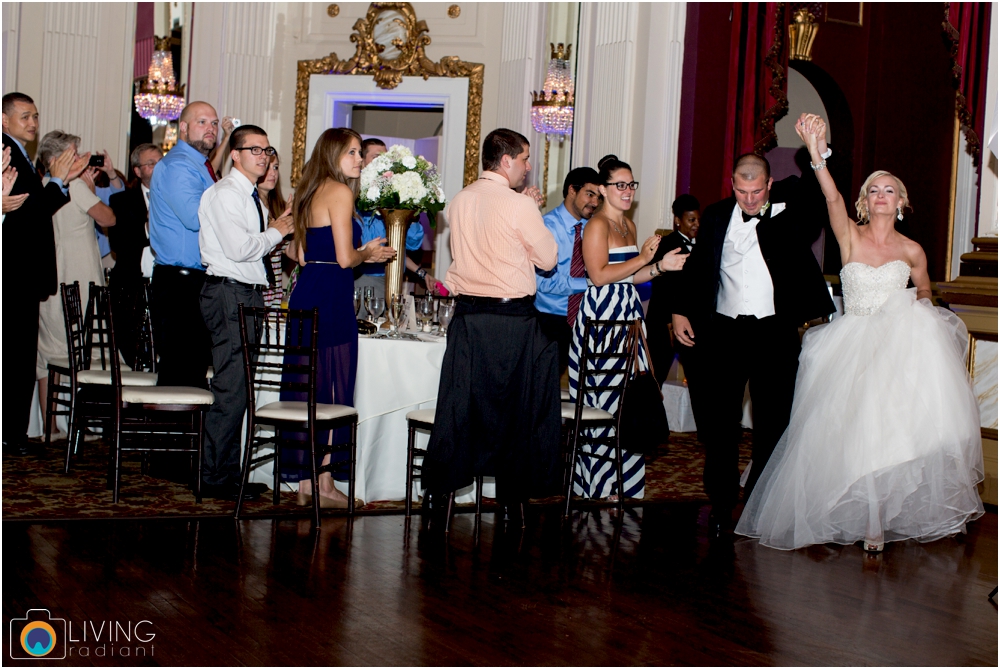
(812,130)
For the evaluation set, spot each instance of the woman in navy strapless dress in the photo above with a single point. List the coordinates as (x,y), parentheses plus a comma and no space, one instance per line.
(325,242)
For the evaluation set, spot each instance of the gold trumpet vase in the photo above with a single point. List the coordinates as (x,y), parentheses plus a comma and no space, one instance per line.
(396,223)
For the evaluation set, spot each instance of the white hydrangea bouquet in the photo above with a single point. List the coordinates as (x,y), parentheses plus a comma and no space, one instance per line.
(397,179)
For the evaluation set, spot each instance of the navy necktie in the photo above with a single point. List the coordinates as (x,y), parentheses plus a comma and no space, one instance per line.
(267,256)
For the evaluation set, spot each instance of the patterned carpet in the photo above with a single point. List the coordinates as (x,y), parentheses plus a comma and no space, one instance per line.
(34,487)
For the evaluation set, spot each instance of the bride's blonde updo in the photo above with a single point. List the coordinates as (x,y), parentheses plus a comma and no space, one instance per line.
(862,204)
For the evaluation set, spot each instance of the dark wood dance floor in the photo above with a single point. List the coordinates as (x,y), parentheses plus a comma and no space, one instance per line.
(380,592)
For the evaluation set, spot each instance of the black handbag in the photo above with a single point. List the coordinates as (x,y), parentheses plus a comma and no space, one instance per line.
(643,426)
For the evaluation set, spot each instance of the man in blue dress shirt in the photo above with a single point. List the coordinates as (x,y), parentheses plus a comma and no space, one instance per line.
(183,343)
(580,199)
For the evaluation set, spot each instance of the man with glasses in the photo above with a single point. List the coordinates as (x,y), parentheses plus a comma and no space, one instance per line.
(560,289)
(235,243)
(179,180)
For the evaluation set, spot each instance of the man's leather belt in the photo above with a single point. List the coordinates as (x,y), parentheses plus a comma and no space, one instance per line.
(476,299)
(183,271)
(233,282)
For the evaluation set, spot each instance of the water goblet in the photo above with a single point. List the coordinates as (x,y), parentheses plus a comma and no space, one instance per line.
(396,315)
(376,305)
(368,295)
(425,314)
(445,313)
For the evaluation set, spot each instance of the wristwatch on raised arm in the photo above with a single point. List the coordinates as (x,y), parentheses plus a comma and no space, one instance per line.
(422,273)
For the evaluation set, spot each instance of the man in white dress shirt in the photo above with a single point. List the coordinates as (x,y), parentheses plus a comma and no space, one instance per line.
(749,284)
(235,240)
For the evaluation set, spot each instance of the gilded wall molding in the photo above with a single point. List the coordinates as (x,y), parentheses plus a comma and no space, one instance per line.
(397,32)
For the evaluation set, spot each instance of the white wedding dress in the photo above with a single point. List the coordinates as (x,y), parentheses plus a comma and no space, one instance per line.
(884,436)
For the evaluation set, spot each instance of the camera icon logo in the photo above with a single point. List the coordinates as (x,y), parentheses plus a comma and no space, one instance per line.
(38,636)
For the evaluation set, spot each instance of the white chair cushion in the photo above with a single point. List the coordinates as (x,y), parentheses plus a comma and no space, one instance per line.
(421,416)
(166,395)
(299,411)
(564,394)
(102,377)
(588,413)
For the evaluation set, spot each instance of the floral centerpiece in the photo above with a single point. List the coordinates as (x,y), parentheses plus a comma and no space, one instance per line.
(397,179)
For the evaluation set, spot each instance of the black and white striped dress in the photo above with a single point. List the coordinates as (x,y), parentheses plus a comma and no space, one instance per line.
(614,301)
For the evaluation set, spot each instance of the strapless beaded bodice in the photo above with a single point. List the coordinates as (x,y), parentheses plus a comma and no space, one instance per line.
(866,287)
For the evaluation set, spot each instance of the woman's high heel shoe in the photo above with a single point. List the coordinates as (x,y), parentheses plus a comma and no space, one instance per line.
(872,546)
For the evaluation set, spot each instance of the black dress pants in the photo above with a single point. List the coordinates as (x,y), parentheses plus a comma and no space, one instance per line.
(764,352)
(498,411)
(20,346)
(224,422)
(181,338)
(557,329)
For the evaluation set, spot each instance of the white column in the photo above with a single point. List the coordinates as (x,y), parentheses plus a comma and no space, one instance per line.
(606,81)
(11,21)
(628,97)
(665,72)
(75,60)
(232,56)
(987,224)
(523,62)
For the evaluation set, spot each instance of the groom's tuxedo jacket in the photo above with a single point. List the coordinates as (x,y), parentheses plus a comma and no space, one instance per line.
(785,239)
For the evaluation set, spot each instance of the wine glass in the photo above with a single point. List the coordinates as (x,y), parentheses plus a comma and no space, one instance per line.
(366,297)
(397,305)
(357,301)
(376,305)
(445,312)
(425,313)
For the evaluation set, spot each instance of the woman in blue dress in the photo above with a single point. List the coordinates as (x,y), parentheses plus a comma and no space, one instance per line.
(614,265)
(324,242)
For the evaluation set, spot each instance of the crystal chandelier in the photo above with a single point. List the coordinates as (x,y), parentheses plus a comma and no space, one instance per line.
(552,107)
(159,101)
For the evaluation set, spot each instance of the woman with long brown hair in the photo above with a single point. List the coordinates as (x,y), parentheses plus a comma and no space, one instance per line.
(269,189)
(324,242)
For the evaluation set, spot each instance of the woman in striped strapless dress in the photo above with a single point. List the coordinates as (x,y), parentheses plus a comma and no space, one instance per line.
(614,265)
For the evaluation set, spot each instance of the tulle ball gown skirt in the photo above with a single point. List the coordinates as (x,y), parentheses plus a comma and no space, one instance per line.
(884,438)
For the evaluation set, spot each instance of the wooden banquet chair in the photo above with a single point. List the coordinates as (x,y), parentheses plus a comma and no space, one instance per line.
(64,369)
(87,340)
(423,420)
(280,355)
(143,417)
(607,361)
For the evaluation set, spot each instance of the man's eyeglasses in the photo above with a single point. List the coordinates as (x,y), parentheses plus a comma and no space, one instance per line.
(622,185)
(146,165)
(257,150)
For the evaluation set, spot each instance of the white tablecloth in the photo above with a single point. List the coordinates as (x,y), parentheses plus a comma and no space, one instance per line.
(394,378)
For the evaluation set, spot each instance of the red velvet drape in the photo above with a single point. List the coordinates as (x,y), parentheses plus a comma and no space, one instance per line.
(967,26)
(144,42)
(758,82)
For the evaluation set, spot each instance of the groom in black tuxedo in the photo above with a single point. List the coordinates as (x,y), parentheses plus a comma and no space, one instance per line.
(749,284)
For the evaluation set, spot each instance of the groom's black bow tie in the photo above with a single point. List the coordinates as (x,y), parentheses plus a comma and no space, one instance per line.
(759,215)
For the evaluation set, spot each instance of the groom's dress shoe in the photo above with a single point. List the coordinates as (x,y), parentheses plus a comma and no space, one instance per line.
(720,523)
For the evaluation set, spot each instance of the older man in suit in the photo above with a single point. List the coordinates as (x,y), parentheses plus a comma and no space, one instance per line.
(28,228)
(130,241)
(749,284)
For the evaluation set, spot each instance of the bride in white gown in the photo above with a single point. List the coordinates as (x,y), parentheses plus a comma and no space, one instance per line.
(884,438)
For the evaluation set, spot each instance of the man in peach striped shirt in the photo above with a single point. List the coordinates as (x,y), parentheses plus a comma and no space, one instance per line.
(498,410)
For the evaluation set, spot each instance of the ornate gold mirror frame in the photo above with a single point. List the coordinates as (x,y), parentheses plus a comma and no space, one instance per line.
(399,19)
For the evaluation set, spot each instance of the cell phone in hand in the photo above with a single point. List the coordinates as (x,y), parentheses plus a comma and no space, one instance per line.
(96,161)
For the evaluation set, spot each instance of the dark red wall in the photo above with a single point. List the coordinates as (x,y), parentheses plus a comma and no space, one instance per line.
(895,73)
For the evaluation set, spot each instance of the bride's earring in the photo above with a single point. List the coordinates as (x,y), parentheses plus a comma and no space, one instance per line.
(899,213)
